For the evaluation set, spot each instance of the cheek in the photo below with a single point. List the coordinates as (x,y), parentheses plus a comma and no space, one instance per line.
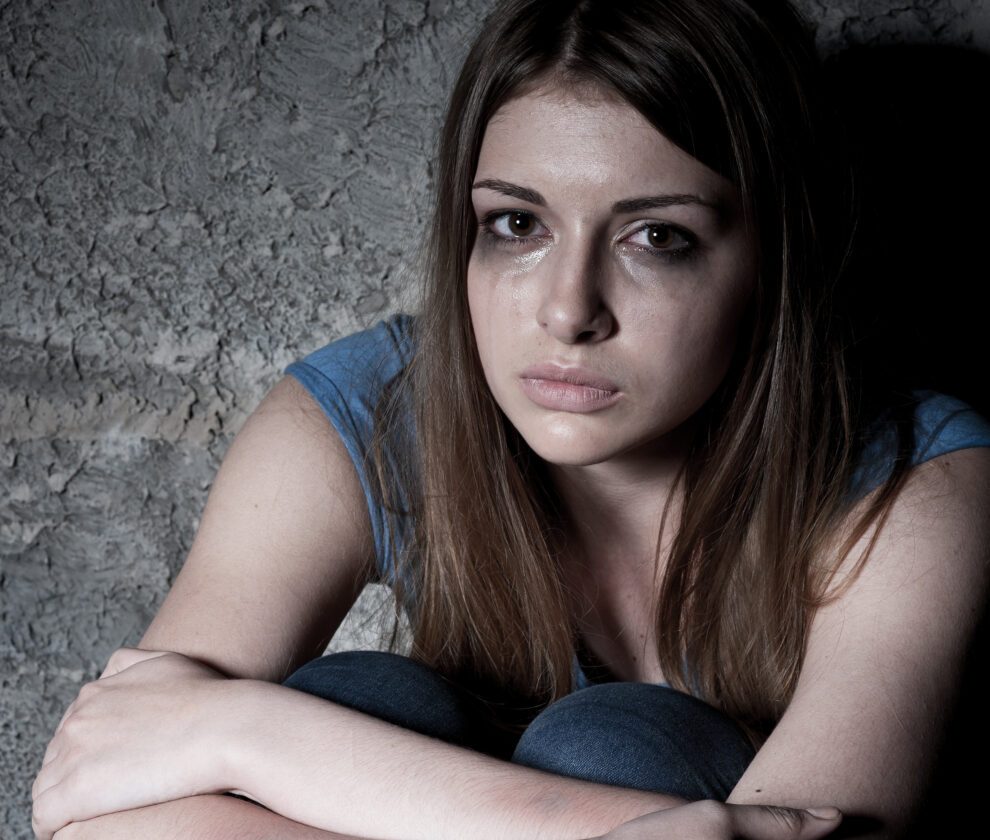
(693,343)
(716,344)
(716,330)
(720,313)
(496,300)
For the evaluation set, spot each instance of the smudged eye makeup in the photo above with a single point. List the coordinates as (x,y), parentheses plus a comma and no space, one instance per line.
(517,228)
(664,240)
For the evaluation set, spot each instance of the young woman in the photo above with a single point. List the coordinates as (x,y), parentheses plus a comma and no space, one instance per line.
(671,569)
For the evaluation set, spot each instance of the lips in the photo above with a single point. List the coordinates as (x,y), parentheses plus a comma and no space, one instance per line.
(572,389)
(572,375)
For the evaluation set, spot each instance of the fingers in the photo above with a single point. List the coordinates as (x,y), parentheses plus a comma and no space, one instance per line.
(50,755)
(714,820)
(45,816)
(49,775)
(57,792)
(774,822)
(50,812)
(65,715)
(124,657)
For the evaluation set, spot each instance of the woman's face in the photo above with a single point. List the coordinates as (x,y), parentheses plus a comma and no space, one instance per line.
(607,279)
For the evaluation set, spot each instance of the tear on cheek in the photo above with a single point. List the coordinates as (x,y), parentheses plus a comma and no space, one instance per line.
(650,274)
(502,267)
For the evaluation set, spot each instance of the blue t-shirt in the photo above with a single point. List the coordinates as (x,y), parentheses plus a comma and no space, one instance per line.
(347,376)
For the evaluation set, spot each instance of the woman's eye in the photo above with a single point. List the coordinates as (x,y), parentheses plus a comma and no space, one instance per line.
(663,239)
(515,225)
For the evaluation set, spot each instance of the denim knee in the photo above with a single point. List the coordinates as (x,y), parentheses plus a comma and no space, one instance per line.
(402,691)
(638,735)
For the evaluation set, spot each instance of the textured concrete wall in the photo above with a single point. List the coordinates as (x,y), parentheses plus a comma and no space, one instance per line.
(194,193)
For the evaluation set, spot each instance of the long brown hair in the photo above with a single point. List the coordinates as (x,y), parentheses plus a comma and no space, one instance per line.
(765,487)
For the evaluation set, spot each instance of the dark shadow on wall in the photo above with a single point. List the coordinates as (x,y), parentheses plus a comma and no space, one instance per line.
(916,117)
(917,123)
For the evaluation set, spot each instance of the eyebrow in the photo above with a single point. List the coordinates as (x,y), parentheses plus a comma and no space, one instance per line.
(626,205)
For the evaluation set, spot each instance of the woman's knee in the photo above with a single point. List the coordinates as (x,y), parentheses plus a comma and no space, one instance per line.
(357,677)
(396,689)
(638,735)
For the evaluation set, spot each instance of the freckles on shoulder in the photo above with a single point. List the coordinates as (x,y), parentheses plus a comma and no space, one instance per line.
(942,507)
(947,501)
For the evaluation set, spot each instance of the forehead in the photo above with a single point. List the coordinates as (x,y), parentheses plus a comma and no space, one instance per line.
(587,141)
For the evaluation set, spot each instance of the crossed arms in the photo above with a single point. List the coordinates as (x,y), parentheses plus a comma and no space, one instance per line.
(282,552)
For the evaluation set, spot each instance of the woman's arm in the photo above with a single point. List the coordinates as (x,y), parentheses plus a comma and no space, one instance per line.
(282,552)
(322,767)
(195,818)
(884,662)
(881,675)
(160,727)
(283,549)
(336,768)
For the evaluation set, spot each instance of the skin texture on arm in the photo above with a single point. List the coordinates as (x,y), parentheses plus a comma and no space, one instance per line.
(282,552)
(884,662)
(324,765)
(161,727)
(196,818)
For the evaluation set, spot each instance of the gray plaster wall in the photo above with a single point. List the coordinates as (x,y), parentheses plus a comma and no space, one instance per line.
(193,193)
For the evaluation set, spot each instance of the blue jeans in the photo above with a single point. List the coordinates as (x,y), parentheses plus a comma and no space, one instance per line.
(633,735)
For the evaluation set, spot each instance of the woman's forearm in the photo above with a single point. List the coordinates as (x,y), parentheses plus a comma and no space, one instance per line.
(334,768)
(196,818)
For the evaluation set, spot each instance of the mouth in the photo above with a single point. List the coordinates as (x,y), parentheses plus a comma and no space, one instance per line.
(568,389)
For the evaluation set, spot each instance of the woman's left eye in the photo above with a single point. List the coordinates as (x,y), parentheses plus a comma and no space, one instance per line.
(664,240)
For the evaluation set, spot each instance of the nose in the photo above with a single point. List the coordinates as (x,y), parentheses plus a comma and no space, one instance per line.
(572,308)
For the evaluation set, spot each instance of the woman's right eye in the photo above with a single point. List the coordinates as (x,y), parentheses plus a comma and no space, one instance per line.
(511,227)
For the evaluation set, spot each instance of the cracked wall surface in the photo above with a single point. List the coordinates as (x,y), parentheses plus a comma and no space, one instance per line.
(195,193)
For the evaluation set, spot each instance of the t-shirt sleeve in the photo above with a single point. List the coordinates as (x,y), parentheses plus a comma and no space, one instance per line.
(347,378)
(942,424)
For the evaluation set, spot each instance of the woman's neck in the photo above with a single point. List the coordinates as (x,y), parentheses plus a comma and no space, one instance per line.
(612,562)
(614,509)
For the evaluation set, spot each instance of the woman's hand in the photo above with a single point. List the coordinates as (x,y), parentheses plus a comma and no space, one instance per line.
(711,820)
(139,735)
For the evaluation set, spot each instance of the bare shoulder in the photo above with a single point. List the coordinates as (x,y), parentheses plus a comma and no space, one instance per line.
(283,549)
(289,422)
(923,587)
(289,454)
(289,401)
(885,661)
(927,578)
(939,525)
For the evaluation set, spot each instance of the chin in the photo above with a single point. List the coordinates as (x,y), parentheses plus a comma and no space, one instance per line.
(563,457)
(564,442)
(565,448)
